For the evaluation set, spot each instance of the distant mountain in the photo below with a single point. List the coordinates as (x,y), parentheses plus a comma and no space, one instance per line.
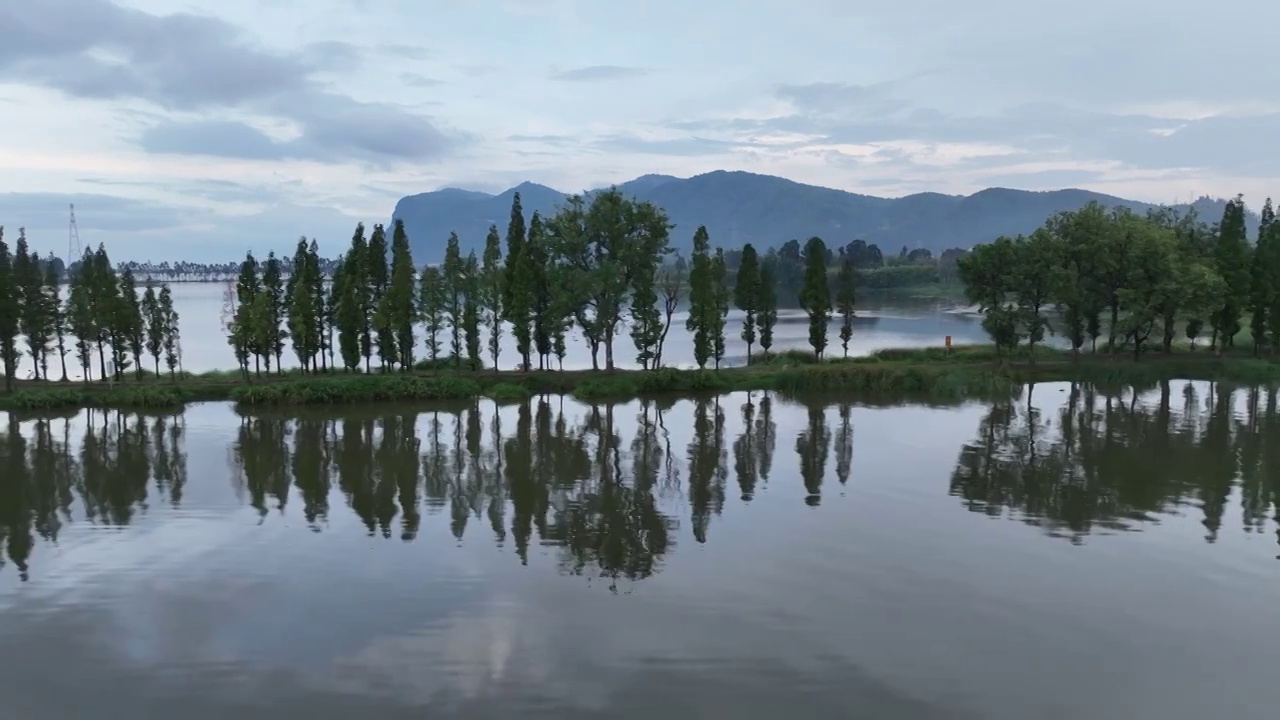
(740,208)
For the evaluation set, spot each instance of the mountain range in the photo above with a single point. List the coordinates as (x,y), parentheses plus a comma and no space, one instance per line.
(741,207)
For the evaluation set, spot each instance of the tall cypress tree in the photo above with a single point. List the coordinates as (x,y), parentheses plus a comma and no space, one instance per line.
(301,311)
(103,294)
(431,299)
(746,294)
(846,288)
(545,318)
(701,297)
(57,312)
(815,294)
(242,334)
(10,307)
(495,290)
(720,310)
(154,320)
(272,331)
(453,274)
(129,325)
(1231,253)
(32,315)
(520,290)
(81,318)
(347,310)
(1262,282)
(768,314)
(400,296)
(472,300)
(172,337)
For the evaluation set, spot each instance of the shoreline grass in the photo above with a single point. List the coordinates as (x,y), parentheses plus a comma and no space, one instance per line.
(973,371)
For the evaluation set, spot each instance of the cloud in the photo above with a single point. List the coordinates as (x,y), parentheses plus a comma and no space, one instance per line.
(44,212)
(416,80)
(593,73)
(92,49)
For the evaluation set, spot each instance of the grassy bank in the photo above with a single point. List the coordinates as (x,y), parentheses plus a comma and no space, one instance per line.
(970,371)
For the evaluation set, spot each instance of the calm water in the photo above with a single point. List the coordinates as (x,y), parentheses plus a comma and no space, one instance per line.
(1071,553)
(881,323)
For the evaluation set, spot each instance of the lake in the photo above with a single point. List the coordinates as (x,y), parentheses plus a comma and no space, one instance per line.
(881,323)
(1073,552)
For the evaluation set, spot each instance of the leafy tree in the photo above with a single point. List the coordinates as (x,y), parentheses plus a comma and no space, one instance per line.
(154,320)
(56,312)
(646,322)
(988,283)
(34,313)
(1037,272)
(431,301)
(454,274)
(1262,281)
(382,335)
(671,280)
(399,298)
(242,334)
(603,248)
(172,337)
(815,294)
(10,307)
(348,317)
(1231,253)
(494,287)
(701,297)
(845,300)
(520,292)
(128,327)
(720,307)
(767,316)
(272,332)
(746,294)
(304,316)
(473,299)
(103,296)
(545,319)
(82,320)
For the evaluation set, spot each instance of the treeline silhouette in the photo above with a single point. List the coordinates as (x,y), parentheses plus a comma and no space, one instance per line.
(1114,458)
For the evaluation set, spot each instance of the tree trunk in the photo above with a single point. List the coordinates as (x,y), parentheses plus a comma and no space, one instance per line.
(1111,331)
(608,349)
(102,361)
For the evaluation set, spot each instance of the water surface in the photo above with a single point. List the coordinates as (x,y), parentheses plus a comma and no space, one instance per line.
(1074,552)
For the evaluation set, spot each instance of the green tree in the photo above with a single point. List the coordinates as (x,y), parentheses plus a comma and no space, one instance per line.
(382,335)
(399,299)
(10,307)
(473,299)
(454,274)
(519,294)
(815,294)
(172,336)
(348,317)
(431,301)
(720,307)
(1037,277)
(701,298)
(129,330)
(646,320)
(57,314)
(34,313)
(272,331)
(103,295)
(846,290)
(1262,281)
(545,319)
(987,279)
(671,279)
(746,294)
(302,312)
(155,324)
(1231,252)
(82,321)
(242,334)
(767,316)
(604,248)
(493,282)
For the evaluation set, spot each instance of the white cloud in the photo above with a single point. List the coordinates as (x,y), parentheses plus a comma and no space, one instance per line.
(272,107)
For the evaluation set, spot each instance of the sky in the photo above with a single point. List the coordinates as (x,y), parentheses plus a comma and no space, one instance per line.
(199,130)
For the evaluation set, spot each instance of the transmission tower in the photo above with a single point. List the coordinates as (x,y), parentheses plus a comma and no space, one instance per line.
(74,251)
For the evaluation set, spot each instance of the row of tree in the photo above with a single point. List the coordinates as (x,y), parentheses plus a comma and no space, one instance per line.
(101,315)
(1130,280)
(603,267)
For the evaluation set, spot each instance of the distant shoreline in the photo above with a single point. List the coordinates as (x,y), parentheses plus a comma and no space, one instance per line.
(967,372)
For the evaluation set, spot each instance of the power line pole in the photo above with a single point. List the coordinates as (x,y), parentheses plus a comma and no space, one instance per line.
(74,250)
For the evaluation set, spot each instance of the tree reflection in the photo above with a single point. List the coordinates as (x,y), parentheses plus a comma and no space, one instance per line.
(1120,458)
